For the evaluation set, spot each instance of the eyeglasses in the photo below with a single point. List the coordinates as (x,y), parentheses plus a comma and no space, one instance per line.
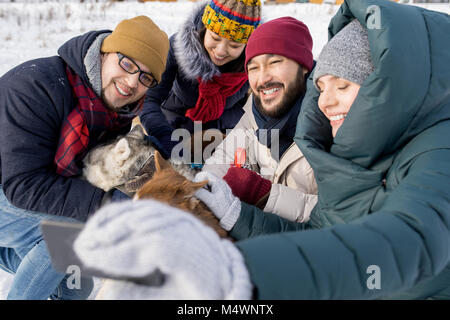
(131,67)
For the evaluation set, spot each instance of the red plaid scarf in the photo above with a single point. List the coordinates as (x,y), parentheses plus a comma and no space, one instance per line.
(212,96)
(86,123)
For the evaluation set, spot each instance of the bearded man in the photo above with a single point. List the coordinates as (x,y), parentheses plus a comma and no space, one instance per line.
(278,62)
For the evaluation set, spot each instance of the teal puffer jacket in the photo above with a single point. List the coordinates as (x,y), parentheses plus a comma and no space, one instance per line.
(384,181)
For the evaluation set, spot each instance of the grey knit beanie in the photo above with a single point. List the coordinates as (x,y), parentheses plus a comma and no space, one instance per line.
(346,55)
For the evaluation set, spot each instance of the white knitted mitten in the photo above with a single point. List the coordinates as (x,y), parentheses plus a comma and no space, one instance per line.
(220,200)
(130,240)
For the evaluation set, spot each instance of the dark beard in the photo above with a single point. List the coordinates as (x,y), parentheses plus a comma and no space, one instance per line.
(293,92)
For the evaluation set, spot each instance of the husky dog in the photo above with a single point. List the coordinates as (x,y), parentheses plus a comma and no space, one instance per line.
(169,186)
(112,164)
(125,163)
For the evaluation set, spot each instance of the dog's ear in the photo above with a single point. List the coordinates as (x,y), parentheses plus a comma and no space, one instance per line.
(190,187)
(160,162)
(136,132)
(121,151)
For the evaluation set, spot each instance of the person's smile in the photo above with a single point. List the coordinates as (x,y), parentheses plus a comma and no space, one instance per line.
(123,90)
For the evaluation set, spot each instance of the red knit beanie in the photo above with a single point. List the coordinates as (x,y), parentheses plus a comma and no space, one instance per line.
(286,36)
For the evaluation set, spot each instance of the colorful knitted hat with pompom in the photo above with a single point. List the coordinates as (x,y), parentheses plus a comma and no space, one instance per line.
(232,19)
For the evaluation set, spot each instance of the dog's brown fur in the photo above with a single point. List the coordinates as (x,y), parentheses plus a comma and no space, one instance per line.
(169,186)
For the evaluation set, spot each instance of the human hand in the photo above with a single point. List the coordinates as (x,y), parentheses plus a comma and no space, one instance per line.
(133,241)
(247,185)
(220,199)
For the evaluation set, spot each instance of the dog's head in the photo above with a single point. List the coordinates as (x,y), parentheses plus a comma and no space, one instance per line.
(169,186)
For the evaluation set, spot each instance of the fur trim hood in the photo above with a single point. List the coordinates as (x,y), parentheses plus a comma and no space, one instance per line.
(192,59)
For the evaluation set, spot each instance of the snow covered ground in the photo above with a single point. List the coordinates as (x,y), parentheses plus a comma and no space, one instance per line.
(36,29)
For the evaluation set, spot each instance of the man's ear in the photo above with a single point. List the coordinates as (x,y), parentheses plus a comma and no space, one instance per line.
(305,71)
(102,63)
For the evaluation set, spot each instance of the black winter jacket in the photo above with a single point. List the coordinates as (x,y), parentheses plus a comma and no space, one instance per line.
(35,98)
(165,105)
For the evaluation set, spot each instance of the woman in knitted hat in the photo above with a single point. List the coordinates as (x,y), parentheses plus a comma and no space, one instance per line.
(342,67)
(204,79)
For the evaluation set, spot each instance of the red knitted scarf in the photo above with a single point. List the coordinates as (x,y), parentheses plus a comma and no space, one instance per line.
(89,120)
(213,94)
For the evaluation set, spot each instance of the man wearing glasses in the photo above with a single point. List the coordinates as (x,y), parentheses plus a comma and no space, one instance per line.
(52,111)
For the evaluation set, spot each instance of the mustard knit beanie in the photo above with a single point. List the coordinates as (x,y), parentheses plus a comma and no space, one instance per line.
(232,19)
(140,39)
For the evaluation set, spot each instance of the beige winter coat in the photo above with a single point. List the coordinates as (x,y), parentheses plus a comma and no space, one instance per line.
(294,191)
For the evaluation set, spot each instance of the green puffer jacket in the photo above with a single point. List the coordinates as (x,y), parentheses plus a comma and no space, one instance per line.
(384,181)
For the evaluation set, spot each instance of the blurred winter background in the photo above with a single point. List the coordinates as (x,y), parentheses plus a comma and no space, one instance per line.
(36,28)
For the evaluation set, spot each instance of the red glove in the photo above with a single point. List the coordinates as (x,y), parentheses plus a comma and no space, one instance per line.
(247,185)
